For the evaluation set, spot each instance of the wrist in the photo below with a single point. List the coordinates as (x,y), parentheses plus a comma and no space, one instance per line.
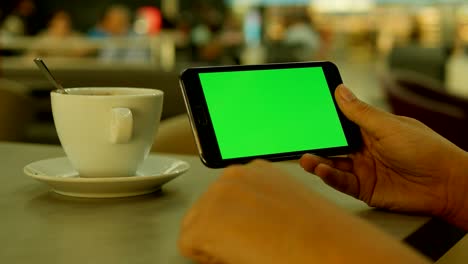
(457,195)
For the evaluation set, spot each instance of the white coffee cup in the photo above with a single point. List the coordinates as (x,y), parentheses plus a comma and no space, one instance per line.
(107,131)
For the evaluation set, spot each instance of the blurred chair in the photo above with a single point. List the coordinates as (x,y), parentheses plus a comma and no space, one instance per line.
(420,97)
(429,61)
(16,111)
(175,136)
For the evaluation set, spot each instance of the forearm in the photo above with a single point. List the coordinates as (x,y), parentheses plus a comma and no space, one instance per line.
(338,237)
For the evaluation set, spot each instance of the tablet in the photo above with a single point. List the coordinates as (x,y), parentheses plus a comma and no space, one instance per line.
(270,111)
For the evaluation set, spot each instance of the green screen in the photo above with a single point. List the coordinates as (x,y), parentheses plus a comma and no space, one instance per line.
(271,111)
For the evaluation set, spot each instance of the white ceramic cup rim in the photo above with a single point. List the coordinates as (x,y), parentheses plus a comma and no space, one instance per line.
(126,92)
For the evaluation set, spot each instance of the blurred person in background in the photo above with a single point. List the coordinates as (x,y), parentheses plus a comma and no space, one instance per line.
(59,39)
(219,41)
(205,46)
(116,23)
(301,36)
(148,21)
(17,22)
(230,39)
(292,37)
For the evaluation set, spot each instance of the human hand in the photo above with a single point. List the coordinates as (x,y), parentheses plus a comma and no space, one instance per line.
(402,166)
(257,213)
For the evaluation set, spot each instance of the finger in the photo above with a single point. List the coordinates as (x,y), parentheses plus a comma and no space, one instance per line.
(344,164)
(309,161)
(345,182)
(364,115)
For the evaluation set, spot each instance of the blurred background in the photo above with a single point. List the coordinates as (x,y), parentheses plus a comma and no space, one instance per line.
(409,57)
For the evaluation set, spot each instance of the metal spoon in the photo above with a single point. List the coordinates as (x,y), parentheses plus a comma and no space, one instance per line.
(40,63)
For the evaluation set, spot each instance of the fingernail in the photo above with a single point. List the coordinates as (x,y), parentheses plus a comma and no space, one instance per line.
(346,94)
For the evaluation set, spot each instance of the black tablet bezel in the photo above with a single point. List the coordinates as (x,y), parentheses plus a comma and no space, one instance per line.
(203,128)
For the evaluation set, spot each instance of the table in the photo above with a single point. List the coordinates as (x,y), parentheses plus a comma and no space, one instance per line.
(43,227)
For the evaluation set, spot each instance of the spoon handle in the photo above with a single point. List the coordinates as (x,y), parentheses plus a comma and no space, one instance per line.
(40,63)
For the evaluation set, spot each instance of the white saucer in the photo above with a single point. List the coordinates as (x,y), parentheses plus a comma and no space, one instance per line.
(153,173)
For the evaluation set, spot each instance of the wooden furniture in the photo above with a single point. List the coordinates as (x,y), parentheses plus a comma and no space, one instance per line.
(413,95)
(428,61)
(16,111)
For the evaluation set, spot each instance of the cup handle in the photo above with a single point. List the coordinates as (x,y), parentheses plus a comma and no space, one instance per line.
(121,127)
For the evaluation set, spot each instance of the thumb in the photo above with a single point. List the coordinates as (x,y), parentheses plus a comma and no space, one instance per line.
(367,117)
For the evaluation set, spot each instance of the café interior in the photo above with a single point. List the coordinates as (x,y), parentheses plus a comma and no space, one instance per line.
(406,57)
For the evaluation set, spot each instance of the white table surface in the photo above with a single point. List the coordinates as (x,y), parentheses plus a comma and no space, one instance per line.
(39,226)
